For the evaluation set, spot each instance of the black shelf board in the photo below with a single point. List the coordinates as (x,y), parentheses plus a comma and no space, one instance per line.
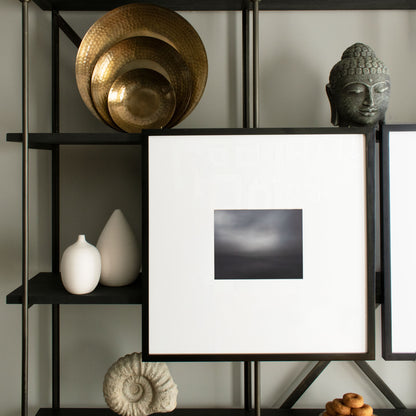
(75,412)
(183,412)
(47,288)
(218,412)
(48,140)
(201,5)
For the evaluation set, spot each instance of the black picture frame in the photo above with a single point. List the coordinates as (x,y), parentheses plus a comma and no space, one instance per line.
(169,144)
(396,186)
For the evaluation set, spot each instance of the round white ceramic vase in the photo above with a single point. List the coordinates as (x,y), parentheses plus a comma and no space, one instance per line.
(80,267)
(120,254)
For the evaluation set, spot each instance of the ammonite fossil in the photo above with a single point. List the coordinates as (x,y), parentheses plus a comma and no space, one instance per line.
(134,388)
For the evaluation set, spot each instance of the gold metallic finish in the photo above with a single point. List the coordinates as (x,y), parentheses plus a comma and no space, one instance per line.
(141,20)
(141,99)
(141,52)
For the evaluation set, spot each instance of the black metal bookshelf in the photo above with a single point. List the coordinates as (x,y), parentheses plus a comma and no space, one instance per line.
(191,412)
(218,412)
(47,288)
(75,412)
(49,140)
(206,5)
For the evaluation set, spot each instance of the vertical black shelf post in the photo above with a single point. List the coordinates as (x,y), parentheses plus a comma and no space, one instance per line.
(257,365)
(25,205)
(248,402)
(255,63)
(55,210)
(246,66)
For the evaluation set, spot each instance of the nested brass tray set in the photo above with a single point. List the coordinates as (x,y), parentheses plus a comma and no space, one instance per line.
(141,66)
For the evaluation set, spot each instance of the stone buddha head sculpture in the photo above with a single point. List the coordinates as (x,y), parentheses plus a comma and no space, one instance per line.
(359,88)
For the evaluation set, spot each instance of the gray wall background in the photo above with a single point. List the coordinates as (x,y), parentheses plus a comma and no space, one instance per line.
(297,51)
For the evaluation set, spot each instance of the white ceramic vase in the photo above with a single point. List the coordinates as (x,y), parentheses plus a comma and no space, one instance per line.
(120,254)
(80,267)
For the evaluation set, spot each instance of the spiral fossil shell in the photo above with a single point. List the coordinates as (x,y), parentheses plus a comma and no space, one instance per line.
(134,388)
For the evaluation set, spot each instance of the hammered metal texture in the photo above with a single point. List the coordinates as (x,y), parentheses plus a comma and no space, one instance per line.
(141,52)
(141,20)
(141,99)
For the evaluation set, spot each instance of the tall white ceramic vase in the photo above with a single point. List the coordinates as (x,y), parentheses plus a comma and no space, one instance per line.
(120,254)
(80,267)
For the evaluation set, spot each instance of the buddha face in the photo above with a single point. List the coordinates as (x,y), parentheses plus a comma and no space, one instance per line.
(360,100)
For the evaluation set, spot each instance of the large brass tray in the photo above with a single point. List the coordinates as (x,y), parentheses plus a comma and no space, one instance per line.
(141,20)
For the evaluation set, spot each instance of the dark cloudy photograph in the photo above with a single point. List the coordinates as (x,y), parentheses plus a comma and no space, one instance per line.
(258,244)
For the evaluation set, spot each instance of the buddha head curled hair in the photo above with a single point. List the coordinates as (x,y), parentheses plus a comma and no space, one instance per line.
(359,88)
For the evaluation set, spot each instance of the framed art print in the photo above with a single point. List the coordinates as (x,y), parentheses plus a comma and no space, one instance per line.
(258,244)
(398,242)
